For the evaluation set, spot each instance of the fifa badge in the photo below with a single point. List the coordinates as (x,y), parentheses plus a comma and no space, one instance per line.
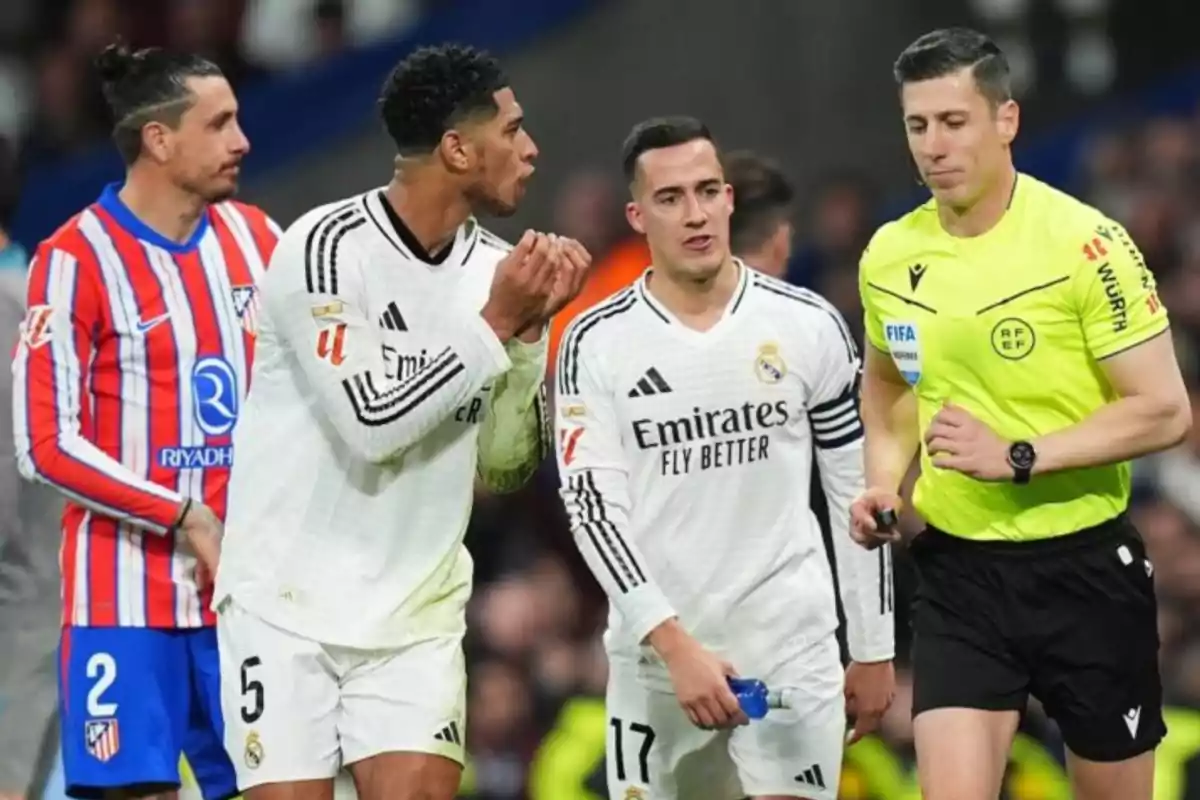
(904,343)
(769,366)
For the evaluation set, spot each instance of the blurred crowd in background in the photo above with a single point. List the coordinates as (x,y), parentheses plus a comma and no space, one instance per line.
(536,726)
(50,103)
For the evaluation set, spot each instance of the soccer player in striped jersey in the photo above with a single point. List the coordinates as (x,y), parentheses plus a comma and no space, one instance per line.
(132,362)
(402,352)
(685,465)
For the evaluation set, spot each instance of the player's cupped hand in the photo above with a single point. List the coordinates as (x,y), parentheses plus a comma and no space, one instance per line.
(958,441)
(574,264)
(870,689)
(203,532)
(864,529)
(522,285)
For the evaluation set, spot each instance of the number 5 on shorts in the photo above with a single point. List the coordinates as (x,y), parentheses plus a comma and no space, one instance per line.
(643,759)
(252,708)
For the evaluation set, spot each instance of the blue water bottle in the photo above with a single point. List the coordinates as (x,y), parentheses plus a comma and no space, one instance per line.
(751,695)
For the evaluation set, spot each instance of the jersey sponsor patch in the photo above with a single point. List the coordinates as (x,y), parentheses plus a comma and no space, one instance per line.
(904,343)
(327,310)
(215,408)
(568,441)
(1153,304)
(36,329)
(215,392)
(573,410)
(331,344)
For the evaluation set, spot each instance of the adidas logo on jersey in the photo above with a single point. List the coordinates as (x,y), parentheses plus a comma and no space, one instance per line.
(391,319)
(650,383)
(449,734)
(812,777)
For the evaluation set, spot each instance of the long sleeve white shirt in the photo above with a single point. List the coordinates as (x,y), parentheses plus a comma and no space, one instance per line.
(685,460)
(378,394)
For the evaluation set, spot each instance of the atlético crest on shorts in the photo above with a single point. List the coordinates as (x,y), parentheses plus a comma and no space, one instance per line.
(102,738)
(245,303)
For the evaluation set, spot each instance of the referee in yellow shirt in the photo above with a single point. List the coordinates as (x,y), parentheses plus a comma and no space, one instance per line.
(1019,347)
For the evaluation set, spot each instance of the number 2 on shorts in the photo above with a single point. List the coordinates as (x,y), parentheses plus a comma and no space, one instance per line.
(643,759)
(252,692)
(102,668)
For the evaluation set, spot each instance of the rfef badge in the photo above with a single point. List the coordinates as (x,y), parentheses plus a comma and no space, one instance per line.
(904,343)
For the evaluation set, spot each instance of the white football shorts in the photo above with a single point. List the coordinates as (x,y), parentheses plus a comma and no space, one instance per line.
(654,751)
(296,709)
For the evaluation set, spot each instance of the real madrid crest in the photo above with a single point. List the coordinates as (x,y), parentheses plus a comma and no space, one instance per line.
(634,793)
(254,750)
(769,365)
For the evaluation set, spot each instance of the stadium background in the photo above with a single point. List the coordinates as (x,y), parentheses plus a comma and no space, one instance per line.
(1111,98)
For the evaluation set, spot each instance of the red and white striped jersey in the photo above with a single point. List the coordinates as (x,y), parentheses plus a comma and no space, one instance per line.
(132,364)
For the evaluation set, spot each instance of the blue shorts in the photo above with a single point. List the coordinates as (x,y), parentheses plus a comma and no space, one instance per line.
(133,700)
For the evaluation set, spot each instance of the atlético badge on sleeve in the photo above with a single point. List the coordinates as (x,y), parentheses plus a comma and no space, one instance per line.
(36,328)
(904,343)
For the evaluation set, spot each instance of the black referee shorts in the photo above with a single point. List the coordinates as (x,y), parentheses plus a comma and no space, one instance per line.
(1071,620)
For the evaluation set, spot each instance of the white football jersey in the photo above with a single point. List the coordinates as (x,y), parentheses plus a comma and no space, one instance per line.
(686,457)
(376,393)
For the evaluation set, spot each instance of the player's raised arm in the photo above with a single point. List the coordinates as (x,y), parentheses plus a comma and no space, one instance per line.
(314,294)
(595,489)
(865,578)
(1126,329)
(63,306)
(515,435)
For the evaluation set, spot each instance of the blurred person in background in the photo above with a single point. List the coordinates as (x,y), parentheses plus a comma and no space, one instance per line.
(838,228)
(500,733)
(679,466)
(271,37)
(63,119)
(14,259)
(29,602)
(29,608)
(155,279)
(589,209)
(760,229)
(1019,349)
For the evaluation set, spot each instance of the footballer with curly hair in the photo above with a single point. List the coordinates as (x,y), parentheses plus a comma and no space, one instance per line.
(401,354)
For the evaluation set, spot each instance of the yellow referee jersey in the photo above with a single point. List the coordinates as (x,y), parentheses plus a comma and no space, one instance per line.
(1011,325)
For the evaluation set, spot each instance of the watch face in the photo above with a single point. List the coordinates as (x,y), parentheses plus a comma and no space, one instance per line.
(1021,455)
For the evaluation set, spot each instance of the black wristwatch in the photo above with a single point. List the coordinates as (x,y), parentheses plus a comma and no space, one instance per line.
(1021,457)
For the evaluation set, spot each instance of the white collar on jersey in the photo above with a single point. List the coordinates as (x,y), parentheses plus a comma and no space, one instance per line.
(661,311)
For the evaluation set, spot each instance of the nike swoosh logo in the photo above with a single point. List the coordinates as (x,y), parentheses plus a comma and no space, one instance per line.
(145,325)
